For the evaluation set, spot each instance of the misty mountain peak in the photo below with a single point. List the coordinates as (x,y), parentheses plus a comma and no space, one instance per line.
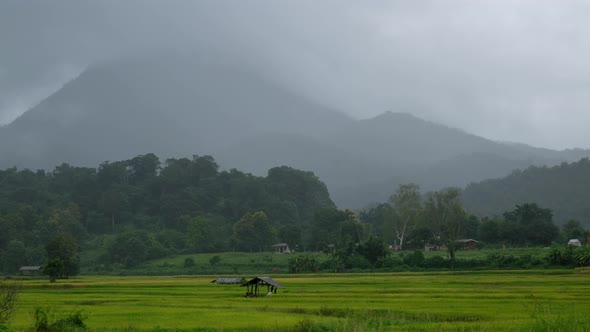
(178,106)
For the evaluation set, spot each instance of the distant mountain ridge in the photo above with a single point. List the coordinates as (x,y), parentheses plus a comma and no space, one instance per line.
(177,106)
(563,188)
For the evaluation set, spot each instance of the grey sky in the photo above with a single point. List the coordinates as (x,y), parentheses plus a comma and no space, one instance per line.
(507,70)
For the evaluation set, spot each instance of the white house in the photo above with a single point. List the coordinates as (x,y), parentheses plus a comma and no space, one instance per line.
(574,242)
(281,248)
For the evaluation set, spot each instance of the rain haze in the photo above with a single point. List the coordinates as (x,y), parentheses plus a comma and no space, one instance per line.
(337,165)
(505,70)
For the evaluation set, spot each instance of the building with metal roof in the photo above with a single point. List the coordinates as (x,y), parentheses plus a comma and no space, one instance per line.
(228,281)
(30,270)
(253,286)
(281,248)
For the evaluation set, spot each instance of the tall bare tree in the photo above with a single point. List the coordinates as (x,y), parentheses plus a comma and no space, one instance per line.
(405,209)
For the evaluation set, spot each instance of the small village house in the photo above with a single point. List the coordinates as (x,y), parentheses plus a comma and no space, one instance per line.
(468,244)
(281,248)
(574,243)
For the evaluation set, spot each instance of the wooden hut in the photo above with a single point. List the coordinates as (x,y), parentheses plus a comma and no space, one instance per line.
(228,281)
(253,286)
(468,244)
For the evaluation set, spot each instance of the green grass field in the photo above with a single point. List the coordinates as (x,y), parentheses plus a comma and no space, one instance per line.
(269,263)
(533,300)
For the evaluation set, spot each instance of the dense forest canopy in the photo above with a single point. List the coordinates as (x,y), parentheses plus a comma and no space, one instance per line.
(141,208)
(564,189)
(124,213)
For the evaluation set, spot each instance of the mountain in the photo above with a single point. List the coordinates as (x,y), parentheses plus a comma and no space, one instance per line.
(170,106)
(182,105)
(563,188)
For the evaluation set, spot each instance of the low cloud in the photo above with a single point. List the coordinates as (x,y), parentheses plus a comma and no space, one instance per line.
(512,71)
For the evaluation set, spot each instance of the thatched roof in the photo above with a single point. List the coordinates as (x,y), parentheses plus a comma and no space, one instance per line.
(263,281)
(229,280)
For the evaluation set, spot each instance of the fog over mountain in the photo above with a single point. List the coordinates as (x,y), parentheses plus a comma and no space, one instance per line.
(506,70)
(365,94)
(177,105)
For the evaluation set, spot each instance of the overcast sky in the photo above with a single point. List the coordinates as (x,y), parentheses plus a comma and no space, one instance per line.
(507,70)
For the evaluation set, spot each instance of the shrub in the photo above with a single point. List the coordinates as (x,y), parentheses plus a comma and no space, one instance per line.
(214,260)
(357,262)
(303,263)
(570,256)
(46,320)
(4,328)
(435,262)
(416,259)
(8,296)
(189,262)
(391,261)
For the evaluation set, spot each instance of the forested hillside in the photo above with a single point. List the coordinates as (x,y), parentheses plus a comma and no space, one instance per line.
(177,105)
(565,189)
(125,212)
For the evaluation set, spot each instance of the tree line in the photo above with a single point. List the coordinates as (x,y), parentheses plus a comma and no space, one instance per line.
(126,212)
(562,188)
(123,213)
(411,220)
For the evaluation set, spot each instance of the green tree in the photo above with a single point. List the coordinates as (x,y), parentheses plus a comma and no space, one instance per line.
(351,230)
(254,232)
(143,168)
(372,249)
(133,247)
(55,269)
(14,256)
(375,216)
(290,234)
(67,221)
(112,203)
(65,248)
(534,223)
(302,188)
(471,227)
(405,210)
(116,173)
(572,229)
(335,227)
(489,230)
(198,234)
(324,227)
(446,217)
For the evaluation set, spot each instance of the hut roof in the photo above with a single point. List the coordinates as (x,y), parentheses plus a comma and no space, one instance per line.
(30,268)
(466,240)
(263,281)
(229,280)
(280,245)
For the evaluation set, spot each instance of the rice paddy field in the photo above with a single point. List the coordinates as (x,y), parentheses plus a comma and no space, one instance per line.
(532,300)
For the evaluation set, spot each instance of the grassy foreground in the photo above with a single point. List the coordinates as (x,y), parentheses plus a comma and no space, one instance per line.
(478,301)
